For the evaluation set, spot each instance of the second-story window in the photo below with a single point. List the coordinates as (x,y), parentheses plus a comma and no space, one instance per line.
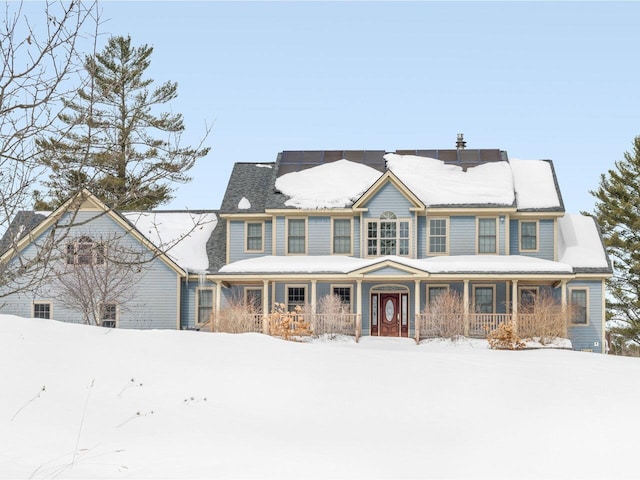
(487,238)
(342,236)
(84,251)
(528,235)
(437,235)
(388,235)
(254,237)
(296,235)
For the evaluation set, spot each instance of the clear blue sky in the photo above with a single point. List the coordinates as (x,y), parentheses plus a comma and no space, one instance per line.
(557,80)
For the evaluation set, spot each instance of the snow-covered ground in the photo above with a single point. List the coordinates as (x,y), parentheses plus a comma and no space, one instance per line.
(87,402)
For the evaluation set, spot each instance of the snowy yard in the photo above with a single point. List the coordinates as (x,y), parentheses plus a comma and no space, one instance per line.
(87,402)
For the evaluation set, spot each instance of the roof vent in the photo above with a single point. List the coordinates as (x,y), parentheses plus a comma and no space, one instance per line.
(460,143)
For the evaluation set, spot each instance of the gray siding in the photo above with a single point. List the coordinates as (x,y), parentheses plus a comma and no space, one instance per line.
(356,237)
(156,300)
(546,239)
(462,239)
(584,337)
(388,198)
(421,237)
(319,235)
(237,241)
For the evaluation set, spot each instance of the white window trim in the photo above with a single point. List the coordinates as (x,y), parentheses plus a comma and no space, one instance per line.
(246,296)
(41,302)
(213,303)
(378,221)
(350,252)
(95,255)
(446,248)
(435,285)
(306,235)
(478,252)
(343,285)
(588,317)
(533,250)
(295,285)
(246,236)
(117,313)
(473,300)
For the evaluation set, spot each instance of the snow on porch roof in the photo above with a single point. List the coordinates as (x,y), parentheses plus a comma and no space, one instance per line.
(496,264)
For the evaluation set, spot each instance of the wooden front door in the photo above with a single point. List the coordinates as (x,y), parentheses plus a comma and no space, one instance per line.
(389,315)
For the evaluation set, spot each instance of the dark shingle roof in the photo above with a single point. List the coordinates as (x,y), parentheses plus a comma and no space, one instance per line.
(21,225)
(253,181)
(217,246)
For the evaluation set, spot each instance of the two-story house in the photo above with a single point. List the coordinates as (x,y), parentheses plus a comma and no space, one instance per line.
(387,232)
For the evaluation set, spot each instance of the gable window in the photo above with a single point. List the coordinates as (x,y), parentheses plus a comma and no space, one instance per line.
(204,304)
(437,235)
(109,315)
(528,236)
(296,235)
(487,238)
(388,236)
(579,306)
(296,297)
(255,236)
(342,236)
(344,294)
(483,299)
(84,251)
(42,310)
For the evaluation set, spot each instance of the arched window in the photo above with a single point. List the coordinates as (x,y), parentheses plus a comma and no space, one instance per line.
(388,235)
(84,251)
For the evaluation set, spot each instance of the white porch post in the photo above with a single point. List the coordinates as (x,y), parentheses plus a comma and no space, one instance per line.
(359,308)
(216,308)
(265,307)
(514,303)
(314,301)
(563,296)
(465,301)
(417,311)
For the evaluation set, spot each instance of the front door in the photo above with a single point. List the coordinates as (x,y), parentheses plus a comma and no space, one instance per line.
(389,315)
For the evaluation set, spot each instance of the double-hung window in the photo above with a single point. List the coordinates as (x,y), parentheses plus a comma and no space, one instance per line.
(528,236)
(484,299)
(296,297)
(342,236)
(109,315)
(487,235)
(437,236)
(204,304)
(579,306)
(255,237)
(344,294)
(388,235)
(296,235)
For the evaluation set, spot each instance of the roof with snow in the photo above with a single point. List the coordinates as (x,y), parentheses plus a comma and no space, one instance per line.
(472,178)
(439,178)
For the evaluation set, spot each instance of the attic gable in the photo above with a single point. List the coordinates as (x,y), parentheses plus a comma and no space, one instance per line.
(389,178)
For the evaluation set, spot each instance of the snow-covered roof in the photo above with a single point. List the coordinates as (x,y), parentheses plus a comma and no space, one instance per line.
(181,235)
(453,264)
(527,183)
(579,243)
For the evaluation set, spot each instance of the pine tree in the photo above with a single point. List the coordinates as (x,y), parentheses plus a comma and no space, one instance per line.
(113,145)
(617,209)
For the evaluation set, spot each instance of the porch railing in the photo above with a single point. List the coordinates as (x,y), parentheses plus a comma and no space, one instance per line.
(478,325)
(320,324)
